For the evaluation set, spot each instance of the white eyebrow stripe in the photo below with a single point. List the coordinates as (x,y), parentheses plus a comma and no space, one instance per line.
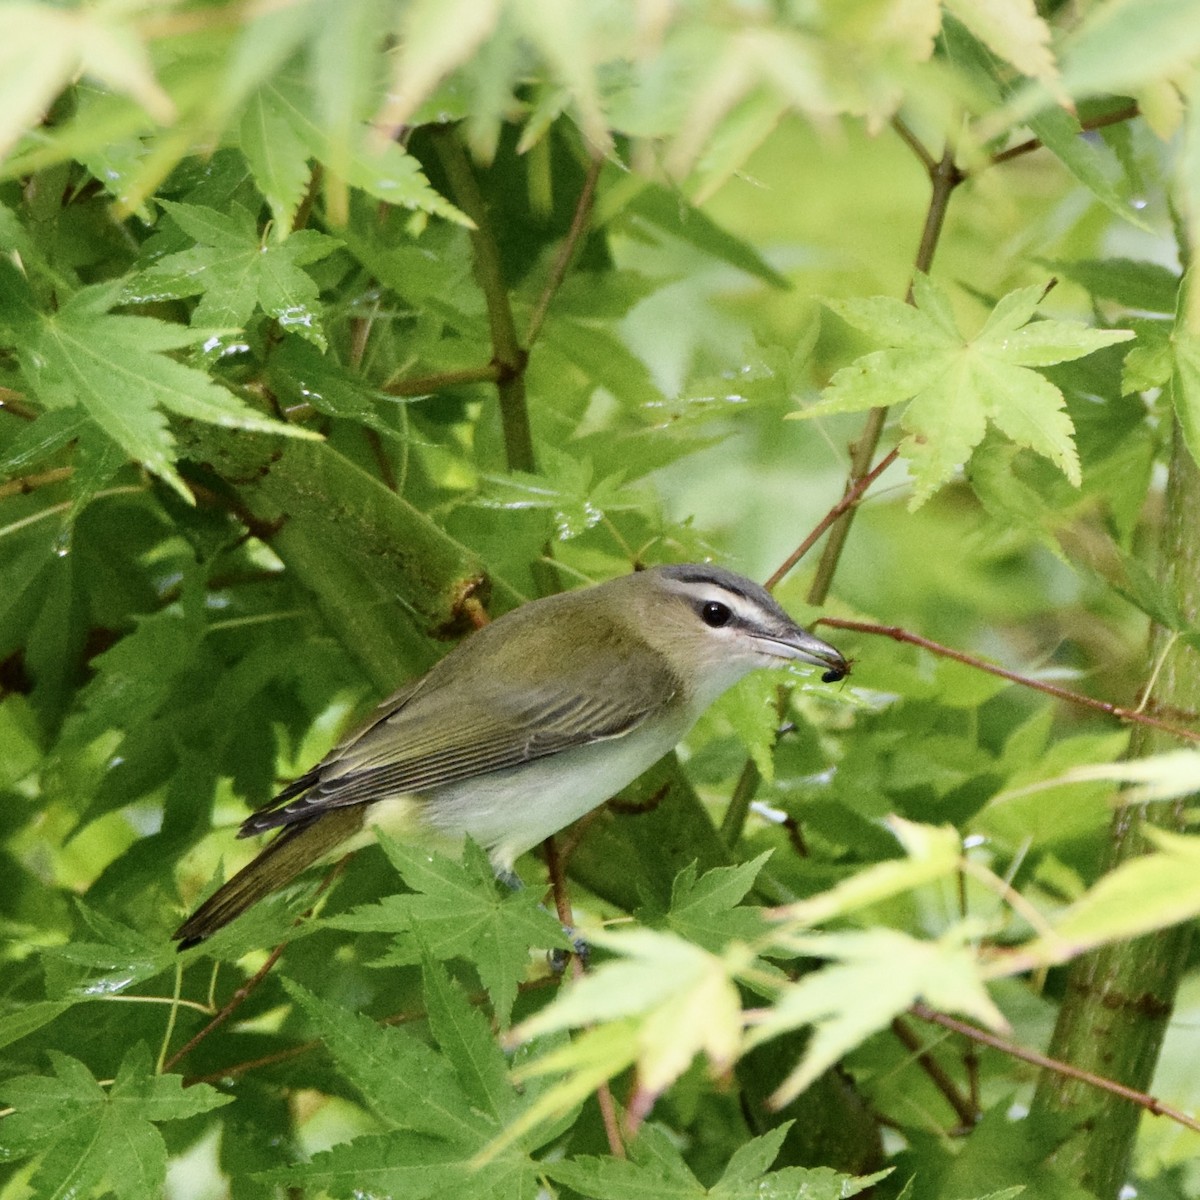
(747,612)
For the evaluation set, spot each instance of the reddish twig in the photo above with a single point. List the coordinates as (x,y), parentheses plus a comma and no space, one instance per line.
(579,223)
(1143,1100)
(239,997)
(853,494)
(231,1006)
(425,385)
(897,634)
(25,484)
(1098,122)
(966,1112)
(562,906)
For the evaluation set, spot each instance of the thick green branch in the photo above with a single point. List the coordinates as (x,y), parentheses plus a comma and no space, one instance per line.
(1120,998)
(383,574)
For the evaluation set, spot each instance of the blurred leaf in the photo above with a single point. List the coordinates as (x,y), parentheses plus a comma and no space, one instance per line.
(45,47)
(278,157)
(683,997)
(1089,161)
(1132,283)
(672,214)
(1149,892)
(1185,386)
(876,975)
(934,854)
(383,170)
(1158,777)
(1015,33)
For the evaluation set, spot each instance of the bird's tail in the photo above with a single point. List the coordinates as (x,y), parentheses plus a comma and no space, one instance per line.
(297,847)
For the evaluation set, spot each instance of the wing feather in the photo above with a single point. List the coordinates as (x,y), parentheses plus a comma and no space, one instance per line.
(430,737)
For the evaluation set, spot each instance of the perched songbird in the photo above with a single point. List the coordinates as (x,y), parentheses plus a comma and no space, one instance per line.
(529,723)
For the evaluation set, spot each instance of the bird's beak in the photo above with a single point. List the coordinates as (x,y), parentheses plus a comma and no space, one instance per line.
(801,646)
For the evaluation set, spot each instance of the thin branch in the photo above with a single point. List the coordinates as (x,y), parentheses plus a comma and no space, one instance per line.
(1127,113)
(743,792)
(739,803)
(944,177)
(911,140)
(15,403)
(25,484)
(851,497)
(507,353)
(966,1112)
(1131,715)
(231,1006)
(923,1012)
(579,223)
(562,906)
(425,385)
(239,997)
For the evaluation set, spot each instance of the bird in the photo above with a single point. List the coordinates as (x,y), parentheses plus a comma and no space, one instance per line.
(529,723)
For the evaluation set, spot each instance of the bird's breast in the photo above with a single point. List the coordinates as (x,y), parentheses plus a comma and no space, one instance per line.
(513,810)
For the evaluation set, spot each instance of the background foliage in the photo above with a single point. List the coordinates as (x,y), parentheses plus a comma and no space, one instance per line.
(326,327)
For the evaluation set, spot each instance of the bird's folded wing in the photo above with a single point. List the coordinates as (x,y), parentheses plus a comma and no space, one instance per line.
(439,738)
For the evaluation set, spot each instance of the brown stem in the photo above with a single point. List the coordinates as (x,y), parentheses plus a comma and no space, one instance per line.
(983,1037)
(15,403)
(579,223)
(1127,113)
(944,177)
(507,353)
(1131,715)
(28,483)
(508,356)
(379,453)
(562,906)
(966,1112)
(239,997)
(425,385)
(915,144)
(853,494)
(231,1006)
(739,803)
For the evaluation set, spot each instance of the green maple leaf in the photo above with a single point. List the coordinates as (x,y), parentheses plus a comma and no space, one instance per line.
(956,385)
(117,370)
(441,1106)
(92,1139)
(460,912)
(566,488)
(655,1168)
(234,270)
(708,910)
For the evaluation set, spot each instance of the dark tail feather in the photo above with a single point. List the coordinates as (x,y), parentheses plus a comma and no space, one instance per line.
(280,862)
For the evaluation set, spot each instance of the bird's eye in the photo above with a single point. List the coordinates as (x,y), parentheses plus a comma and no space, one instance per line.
(715,614)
